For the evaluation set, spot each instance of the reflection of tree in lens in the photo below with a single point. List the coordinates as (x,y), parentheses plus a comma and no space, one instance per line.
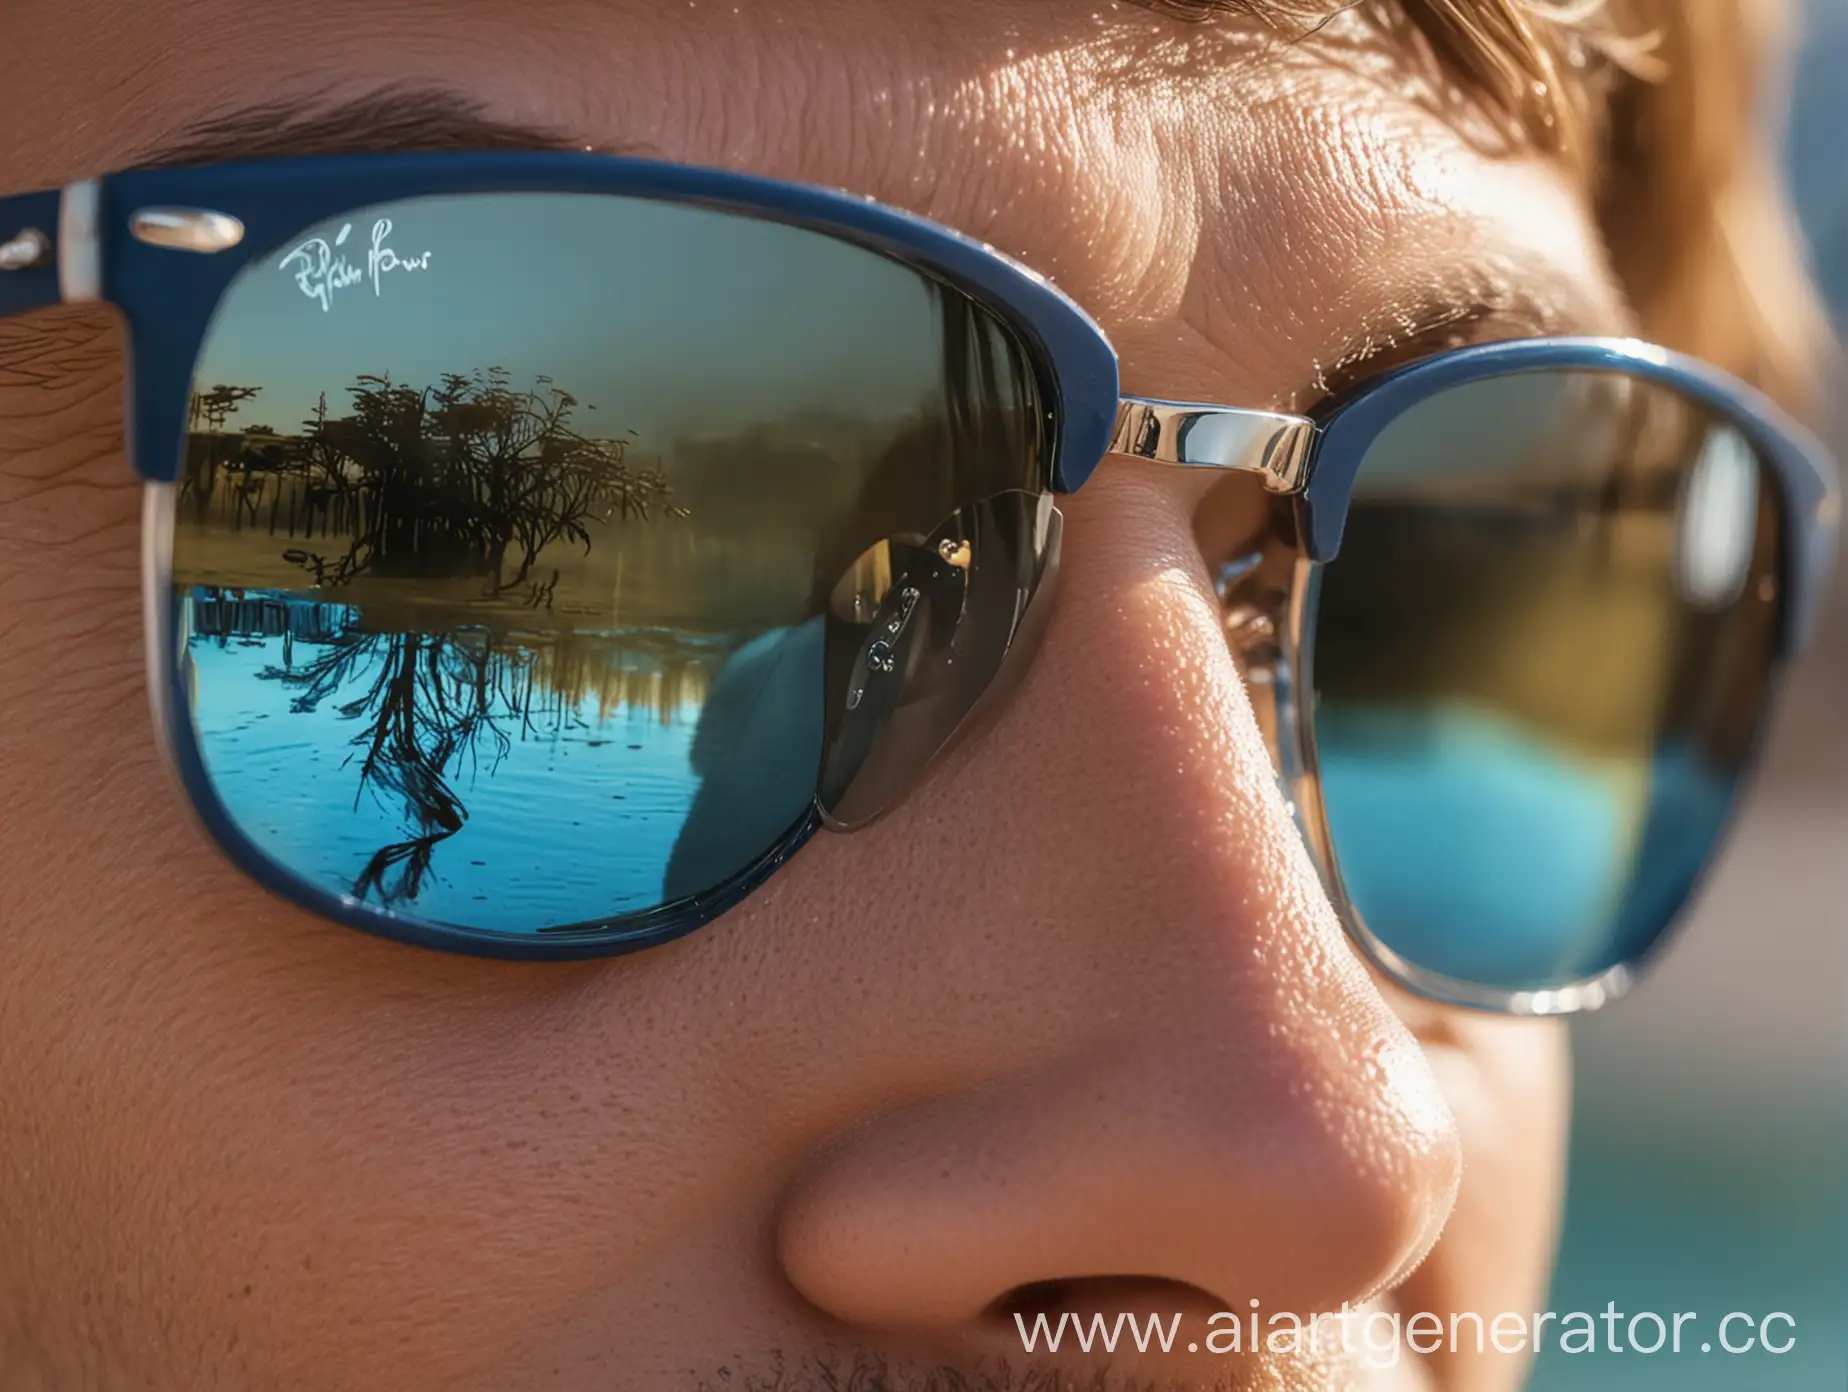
(432,710)
(468,478)
(422,520)
(429,702)
(207,415)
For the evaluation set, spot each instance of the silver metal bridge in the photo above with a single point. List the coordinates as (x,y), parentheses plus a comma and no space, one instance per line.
(1267,443)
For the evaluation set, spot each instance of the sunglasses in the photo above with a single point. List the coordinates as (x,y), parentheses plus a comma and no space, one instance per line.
(541,547)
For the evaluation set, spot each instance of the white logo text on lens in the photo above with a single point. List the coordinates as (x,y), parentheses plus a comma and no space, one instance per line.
(323,270)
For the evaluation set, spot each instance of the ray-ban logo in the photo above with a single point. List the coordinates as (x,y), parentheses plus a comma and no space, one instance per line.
(323,270)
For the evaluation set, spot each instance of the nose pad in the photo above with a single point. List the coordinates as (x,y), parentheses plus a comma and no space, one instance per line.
(925,636)
(1261,595)
(1267,597)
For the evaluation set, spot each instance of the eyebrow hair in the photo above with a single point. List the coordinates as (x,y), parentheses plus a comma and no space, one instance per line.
(1437,327)
(410,121)
(1478,304)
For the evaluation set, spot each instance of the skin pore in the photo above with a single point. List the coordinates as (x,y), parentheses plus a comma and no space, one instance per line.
(1075,1029)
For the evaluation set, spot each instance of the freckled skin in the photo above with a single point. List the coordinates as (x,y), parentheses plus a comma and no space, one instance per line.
(1099,1022)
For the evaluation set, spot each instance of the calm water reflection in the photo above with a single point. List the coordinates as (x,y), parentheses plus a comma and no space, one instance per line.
(500,779)
(528,638)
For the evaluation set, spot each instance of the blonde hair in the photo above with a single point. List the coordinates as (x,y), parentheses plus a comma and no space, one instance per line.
(1659,107)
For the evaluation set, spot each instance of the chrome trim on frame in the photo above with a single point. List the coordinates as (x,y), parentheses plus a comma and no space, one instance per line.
(157,636)
(80,243)
(187,229)
(1198,436)
(26,252)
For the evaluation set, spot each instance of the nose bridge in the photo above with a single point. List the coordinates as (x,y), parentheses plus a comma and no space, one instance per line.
(1141,717)
(1198,1082)
(1180,864)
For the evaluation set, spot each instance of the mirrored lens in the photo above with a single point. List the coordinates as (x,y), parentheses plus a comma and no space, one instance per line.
(1540,659)
(510,528)
(921,641)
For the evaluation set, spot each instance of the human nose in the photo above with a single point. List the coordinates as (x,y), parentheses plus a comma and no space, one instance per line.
(1195,1081)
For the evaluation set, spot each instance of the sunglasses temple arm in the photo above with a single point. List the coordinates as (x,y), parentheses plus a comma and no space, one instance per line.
(50,249)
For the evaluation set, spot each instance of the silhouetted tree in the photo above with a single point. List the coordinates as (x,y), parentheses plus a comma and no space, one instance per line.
(535,478)
(428,704)
(469,477)
(208,412)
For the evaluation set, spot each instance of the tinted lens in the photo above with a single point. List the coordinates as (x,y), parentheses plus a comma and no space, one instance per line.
(511,527)
(1540,660)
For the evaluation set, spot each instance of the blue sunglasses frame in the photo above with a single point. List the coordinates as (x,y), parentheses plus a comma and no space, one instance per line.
(163,246)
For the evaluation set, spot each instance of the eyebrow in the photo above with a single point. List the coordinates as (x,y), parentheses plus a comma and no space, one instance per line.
(1527,298)
(404,121)
(1476,304)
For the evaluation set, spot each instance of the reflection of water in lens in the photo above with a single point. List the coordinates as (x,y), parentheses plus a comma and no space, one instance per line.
(1476,846)
(487,582)
(540,779)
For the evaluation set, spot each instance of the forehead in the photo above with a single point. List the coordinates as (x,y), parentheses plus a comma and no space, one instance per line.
(679,75)
(1200,180)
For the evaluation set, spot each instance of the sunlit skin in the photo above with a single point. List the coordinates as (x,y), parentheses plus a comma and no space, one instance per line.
(1077,1013)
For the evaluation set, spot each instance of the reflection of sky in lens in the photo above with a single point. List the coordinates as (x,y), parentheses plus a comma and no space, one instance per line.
(1531,426)
(672,321)
(1473,845)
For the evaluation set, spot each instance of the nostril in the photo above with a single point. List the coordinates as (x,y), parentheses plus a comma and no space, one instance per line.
(1105,1295)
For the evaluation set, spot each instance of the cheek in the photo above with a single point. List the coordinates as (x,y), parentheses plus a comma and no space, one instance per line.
(228,1124)
(207,1103)
(76,764)
(1508,1085)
